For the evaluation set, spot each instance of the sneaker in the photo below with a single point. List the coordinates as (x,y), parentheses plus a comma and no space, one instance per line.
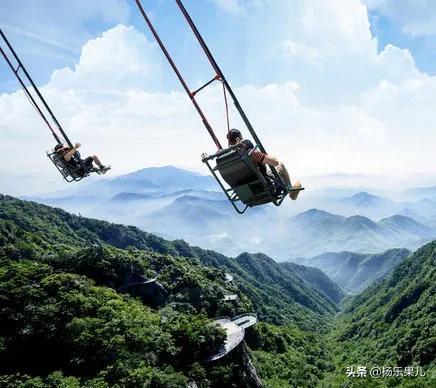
(294,194)
(105,169)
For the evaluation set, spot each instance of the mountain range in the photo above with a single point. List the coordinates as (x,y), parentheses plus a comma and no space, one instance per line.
(176,203)
(356,271)
(315,232)
(64,281)
(162,180)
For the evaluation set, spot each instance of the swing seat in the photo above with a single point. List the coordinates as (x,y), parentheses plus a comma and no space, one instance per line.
(69,173)
(237,172)
(247,185)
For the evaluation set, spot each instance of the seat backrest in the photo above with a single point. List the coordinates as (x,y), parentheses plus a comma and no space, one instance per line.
(239,174)
(65,169)
(234,169)
(58,160)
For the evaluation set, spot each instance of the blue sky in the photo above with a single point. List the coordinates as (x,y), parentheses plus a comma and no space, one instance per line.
(50,35)
(333,87)
(423,46)
(46,37)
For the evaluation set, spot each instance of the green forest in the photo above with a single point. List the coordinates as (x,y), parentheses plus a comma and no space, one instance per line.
(69,317)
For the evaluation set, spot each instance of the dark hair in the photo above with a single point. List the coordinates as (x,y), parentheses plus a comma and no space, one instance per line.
(58,147)
(233,135)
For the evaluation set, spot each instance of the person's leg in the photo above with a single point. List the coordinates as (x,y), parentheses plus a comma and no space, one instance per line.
(97,161)
(283,172)
(103,169)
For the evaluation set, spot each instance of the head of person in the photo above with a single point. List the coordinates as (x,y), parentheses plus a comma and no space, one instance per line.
(60,148)
(234,136)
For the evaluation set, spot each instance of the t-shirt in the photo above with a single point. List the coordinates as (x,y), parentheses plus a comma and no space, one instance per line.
(257,156)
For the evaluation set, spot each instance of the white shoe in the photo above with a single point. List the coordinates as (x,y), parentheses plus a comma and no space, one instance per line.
(105,169)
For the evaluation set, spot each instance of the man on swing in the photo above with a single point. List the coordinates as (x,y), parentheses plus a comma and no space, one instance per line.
(234,137)
(66,152)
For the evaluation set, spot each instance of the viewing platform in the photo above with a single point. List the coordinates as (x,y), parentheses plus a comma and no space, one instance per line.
(235,331)
(245,320)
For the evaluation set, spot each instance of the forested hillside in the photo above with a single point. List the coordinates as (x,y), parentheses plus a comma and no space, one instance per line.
(64,285)
(278,296)
(75,311)
(393,323)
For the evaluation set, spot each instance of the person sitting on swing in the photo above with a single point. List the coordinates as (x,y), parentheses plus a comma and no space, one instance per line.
(262,160)
(67,154)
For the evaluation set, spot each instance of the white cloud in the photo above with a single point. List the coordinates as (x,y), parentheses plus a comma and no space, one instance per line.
(234,7)
(415,17)
(330,49)
(376,116)
(120,59)
(52,42)
(300,52)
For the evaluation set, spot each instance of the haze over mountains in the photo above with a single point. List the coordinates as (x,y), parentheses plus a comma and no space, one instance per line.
(177,203)
(356,271)
(316,231)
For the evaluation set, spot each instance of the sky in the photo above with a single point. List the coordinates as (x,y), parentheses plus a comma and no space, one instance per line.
(334,88)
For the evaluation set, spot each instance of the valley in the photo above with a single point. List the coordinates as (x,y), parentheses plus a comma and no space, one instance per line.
(309,332)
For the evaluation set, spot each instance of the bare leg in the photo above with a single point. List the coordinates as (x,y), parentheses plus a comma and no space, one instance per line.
(283,172)
(97,161)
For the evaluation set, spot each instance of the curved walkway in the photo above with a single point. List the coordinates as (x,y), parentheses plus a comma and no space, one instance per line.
(235,331)
(235,335)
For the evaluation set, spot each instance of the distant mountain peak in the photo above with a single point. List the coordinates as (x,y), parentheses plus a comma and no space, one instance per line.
(164,179)
(254,256)
(364,194)
(406,223)
(187,198)
(361,219)
(314,213)
(398,218)
(317,215)
(162,170)
(365,199)
(355,271)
